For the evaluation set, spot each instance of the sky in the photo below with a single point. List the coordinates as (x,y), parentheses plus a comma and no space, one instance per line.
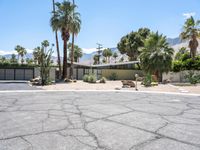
(26,22)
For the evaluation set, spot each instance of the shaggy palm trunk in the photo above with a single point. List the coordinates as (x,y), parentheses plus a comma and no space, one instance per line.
(64,59)
(72,52)
(72,58)
(58,54)
(193,47)
(57,44)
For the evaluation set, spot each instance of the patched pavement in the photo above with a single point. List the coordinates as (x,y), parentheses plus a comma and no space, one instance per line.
(98,121)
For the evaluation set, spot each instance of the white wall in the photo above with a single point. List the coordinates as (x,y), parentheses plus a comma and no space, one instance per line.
(177,76)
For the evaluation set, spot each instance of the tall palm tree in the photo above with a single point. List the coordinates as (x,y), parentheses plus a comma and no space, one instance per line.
(78,52)
(156,56)
(107,53)
(36,55)
(115,55)
(62,21)
(191,31)
(75,28)
(18,49)
(21,52)
(55,29)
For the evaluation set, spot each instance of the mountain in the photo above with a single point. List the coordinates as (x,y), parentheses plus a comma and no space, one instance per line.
(174,41)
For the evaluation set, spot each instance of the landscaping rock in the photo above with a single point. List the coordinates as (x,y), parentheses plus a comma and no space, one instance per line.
(128,83)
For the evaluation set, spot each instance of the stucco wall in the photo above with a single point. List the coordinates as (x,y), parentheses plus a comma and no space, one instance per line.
(121,74)
(177,76)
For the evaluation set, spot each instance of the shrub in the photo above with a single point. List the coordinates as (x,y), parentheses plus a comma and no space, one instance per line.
(103,80)
(186,64)
(147,80)
(177,66)
(113,76)
(92,78)
(85,78)
(193,79)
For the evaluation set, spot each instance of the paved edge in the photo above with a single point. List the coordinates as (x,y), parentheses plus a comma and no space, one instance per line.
(118,91)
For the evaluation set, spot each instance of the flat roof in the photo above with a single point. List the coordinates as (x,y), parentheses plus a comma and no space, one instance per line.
(111,64)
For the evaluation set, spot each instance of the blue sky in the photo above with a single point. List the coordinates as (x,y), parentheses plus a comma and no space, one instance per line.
(26,22)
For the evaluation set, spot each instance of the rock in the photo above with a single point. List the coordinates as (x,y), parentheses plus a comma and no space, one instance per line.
(67,80)
(128,83)
(166,81)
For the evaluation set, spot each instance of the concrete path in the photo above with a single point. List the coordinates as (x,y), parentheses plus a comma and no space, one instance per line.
(98,121)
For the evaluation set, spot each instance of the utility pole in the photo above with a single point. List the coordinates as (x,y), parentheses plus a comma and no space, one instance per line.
(99,51)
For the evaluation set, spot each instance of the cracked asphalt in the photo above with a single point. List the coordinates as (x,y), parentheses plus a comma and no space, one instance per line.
(98,121)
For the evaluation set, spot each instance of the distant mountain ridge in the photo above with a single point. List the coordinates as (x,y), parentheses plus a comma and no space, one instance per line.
(175,43)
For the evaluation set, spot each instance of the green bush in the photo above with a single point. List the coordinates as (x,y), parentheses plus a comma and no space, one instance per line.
(147,80)
(85,78)
(177,66)
(113,76)
(186,64)
(193,79)
(103,80)
(92,78)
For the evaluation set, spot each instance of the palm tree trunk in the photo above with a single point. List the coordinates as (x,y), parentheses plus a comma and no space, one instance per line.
(57,44)
(72,57)
(58,54)
(64,59)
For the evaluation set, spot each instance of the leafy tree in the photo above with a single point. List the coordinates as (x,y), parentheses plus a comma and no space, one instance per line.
(62,21)
(191,32)
(3,59)
(182,53)
(21,52)
(107,53)
(131,43)
(13,59)
(29,61)
(156,56)
(115,55)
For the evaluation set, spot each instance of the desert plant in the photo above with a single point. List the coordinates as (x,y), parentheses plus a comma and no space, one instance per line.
(113,76)
(102,80)
(147,80)
(85,78)
(92,78)
(193,79)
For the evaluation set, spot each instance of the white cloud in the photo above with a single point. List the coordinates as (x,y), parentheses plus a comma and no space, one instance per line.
(7,52)
(89,50)
(188,15)
(3,52)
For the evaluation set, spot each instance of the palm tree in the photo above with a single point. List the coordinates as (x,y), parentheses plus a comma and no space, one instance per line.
(36,55)
(62,21)
(191,32)
(156,56)
(21,52)
(96,59)
(107,53)
(75,28)
(13,59)
(54,26)
(115,55)
(18,49)
(78,52)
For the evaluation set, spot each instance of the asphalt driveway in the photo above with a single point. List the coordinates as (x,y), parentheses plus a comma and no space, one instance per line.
(98,121)
(9,86)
